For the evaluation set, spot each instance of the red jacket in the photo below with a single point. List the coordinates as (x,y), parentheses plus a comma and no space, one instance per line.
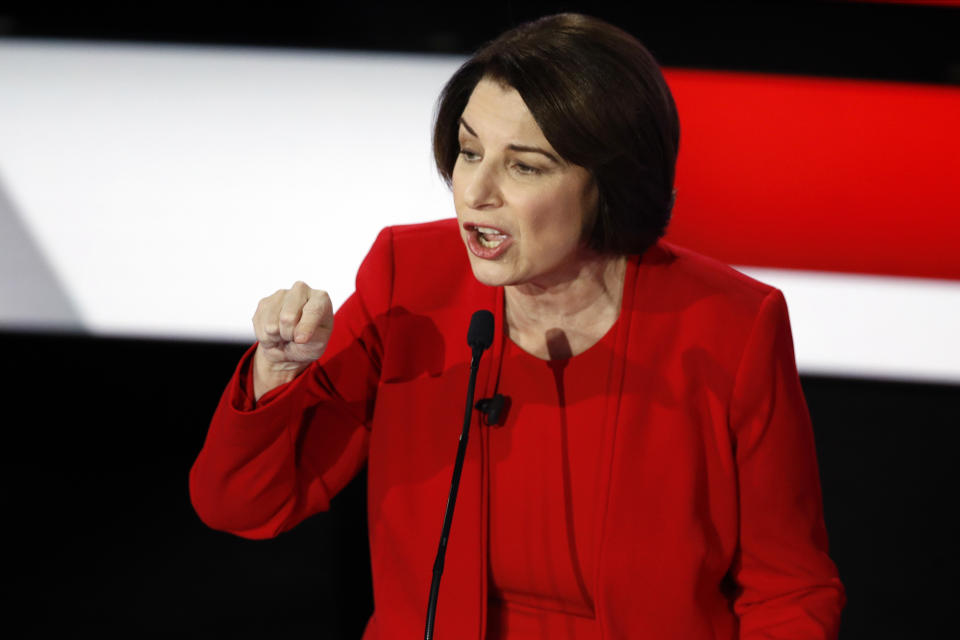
(712,525)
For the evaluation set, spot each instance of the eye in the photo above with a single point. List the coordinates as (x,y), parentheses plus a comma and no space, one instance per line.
(526,169)
(469,156)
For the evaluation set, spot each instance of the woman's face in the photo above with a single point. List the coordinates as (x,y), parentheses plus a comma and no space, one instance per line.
(521,207)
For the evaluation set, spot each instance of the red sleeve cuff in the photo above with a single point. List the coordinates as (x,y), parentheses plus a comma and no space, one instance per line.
(243,394)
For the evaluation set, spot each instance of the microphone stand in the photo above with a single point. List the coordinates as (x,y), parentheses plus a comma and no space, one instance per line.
(478,347)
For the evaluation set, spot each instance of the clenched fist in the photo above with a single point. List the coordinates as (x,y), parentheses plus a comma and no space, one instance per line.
(293,327)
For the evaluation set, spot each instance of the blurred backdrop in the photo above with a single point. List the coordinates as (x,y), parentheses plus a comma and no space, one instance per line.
(162,168)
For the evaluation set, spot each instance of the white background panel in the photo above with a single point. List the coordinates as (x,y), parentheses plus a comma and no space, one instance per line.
(871,326)
(171,187)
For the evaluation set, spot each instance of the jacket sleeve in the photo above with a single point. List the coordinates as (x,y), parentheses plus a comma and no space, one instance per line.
(788,587)
(265,468)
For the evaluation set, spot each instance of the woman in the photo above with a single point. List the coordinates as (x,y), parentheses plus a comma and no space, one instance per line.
(654,475)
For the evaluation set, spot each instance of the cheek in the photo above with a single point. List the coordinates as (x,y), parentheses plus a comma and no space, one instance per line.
(455,185)
(456,180)
(556,222)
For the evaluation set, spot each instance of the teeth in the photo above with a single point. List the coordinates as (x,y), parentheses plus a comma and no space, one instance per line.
(490,243)
(488,237)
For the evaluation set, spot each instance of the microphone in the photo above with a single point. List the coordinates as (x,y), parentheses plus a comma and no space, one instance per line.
(493,408)
(480,333)
(479,339)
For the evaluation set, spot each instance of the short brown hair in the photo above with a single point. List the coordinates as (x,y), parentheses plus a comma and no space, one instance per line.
(601,101)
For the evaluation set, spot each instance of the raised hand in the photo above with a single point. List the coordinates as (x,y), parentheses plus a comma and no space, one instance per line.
(293,328)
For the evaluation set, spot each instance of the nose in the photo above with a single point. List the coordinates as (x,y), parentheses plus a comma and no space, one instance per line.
(483,187)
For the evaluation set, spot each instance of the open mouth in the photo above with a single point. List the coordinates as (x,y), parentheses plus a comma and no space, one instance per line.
(489,238)
(485,242)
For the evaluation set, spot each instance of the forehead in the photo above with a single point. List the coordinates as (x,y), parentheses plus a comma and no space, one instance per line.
(497,112)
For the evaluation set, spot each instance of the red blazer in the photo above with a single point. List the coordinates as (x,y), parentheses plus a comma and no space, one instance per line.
(712,525)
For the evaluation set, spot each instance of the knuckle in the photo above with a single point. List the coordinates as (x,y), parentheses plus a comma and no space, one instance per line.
(269,301)
(287,317)
(266,335)
(323,299)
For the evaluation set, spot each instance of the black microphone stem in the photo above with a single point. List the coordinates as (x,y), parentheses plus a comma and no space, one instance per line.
(452,498)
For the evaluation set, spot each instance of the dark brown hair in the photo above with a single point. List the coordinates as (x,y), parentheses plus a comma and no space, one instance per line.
(601,101)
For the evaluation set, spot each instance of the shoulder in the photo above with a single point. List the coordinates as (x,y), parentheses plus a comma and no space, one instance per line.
(438,229)
(426,264)
(706,275)
(712,302)
(413,246)
(709,320)
(437,236)
(685,276)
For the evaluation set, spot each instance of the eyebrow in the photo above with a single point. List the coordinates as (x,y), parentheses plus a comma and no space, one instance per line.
(515,147)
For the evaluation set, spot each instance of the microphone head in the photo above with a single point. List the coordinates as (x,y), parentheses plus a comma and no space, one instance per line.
(480,334)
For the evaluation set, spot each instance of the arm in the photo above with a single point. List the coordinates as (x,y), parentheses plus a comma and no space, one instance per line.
(788,586)
(265,467)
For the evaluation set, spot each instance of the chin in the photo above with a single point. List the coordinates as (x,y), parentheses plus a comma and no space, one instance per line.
(490,273)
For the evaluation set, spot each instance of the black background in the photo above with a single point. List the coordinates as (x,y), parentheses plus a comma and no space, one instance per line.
(101,432)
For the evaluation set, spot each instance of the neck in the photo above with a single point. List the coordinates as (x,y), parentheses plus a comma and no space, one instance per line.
(568,316)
